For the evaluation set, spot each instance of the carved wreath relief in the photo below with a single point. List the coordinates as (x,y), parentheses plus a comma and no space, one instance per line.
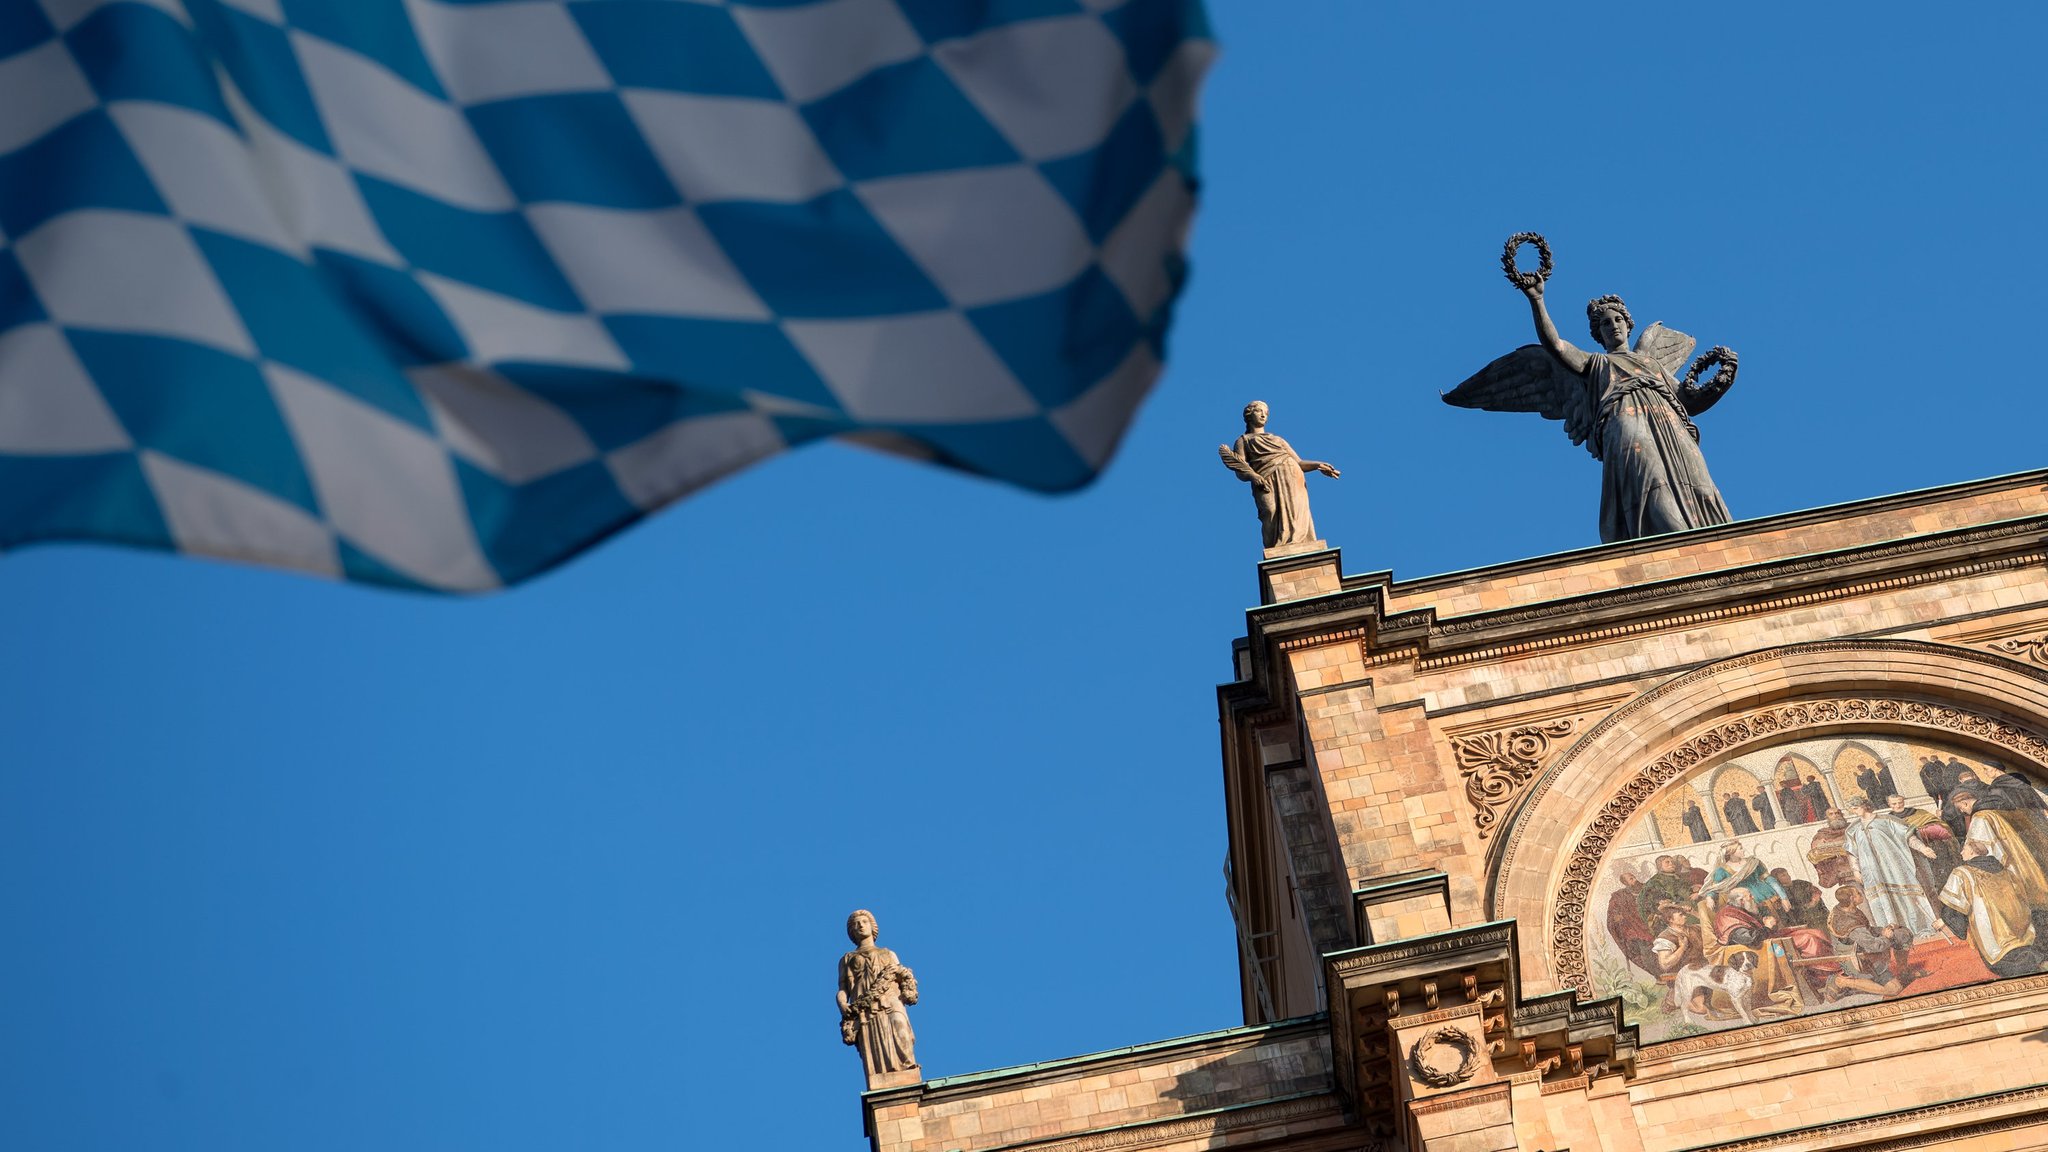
(1443,1058)
(1790,876)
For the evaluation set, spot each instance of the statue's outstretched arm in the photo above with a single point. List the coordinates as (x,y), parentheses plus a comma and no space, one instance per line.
(1572,358)
(1308,466)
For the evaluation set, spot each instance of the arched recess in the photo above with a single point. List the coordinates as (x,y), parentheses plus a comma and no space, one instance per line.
(1546,859)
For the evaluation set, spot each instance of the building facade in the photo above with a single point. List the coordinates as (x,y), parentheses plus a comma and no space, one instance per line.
(1734,839)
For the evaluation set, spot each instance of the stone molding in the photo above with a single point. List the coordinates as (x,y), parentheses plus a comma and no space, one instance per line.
(1415,632)
(1769,571)
(1497,766)
(1568,909)
(1297,643)
(1220,1045)
(1728,612)
(1440,1016)
(1462,941)
(1154,1133)
(1453,1101)
(1832,1134)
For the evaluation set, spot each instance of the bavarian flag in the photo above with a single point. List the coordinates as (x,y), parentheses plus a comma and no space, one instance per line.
(438,292)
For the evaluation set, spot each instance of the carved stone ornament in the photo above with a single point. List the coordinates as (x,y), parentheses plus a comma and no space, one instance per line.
(2033,648)
(1497,766)
(1445,1057)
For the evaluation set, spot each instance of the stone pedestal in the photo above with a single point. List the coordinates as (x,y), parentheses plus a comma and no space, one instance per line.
(1300,570)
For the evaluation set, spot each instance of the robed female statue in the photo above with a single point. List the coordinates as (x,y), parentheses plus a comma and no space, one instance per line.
(874,986)
(1278,477)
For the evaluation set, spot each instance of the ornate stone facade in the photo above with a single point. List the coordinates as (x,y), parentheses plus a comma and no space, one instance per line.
(1459,806)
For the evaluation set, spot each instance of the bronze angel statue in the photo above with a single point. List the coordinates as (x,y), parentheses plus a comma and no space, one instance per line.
(1626,405)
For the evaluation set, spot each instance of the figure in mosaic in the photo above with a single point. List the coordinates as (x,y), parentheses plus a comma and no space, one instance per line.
(874,986)
(1999,890)
(1279,479)
(1851,904)
(1626,405)
(1765,817)
(1887,875)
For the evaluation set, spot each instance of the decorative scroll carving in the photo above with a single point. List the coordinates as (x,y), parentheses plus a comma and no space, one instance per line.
(1568,909)
(1445,1057)
(1497,766)
(2034,648)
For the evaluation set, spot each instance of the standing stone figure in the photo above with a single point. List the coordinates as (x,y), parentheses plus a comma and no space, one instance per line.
(873,988)
(1278,477)
(1624,404)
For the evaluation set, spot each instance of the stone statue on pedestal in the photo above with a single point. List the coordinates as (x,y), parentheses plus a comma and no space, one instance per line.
(1625,404)
(874,986)
(1278,477)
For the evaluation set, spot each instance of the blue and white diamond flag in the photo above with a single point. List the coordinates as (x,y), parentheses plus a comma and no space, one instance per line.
(438,292)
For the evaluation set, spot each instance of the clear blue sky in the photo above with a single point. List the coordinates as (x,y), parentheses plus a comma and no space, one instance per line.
(292,865)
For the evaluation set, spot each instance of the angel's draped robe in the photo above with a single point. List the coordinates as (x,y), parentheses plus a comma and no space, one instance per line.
(1655,478)
(1283,506)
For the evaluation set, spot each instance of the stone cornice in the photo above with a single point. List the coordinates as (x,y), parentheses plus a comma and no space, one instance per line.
(1825,515)
(1453,1101)
(1153,1133)
(1420,636)
(1460,945)
(1097,1063)
(1755,590)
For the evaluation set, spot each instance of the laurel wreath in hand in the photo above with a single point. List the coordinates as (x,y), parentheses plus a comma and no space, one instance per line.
(1516,276)
(1716,355)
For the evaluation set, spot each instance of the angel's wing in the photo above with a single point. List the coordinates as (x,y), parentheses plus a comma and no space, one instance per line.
(1667,346)
(1530,379)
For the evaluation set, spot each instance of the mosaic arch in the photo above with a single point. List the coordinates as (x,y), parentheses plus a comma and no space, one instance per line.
(1820,873)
